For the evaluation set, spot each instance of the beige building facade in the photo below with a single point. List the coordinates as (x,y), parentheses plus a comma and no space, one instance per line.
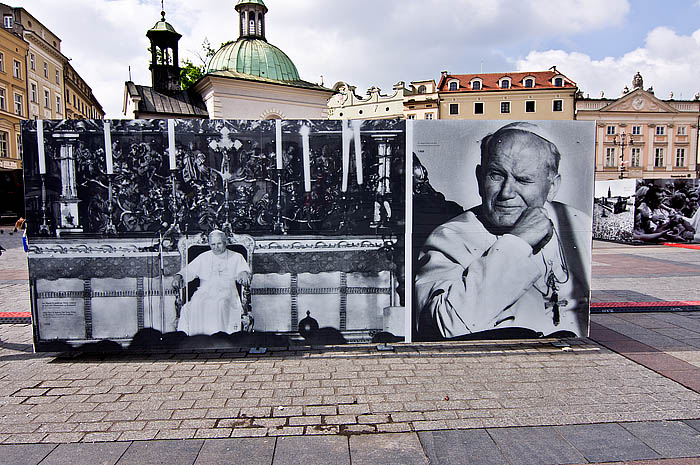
(346,104)
(13,99)
(538,95)
(80,103)
(422,101)
(660,136)
(44,63)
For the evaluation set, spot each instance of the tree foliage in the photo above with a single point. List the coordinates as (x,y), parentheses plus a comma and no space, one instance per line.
(191,72)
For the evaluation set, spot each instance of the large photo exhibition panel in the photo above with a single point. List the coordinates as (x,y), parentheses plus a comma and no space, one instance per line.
(213,233)
(501,229)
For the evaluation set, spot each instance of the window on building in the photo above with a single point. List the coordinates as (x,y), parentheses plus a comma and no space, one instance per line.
(429,116)
(636,130)
(19,110)
(680,157)
(505,107)
(7,21)
(453,85)
(636,156)
(529,82)
(17,69)
(2,99)
(58,104)
(20,148)
(47,98)
(682,130)
(658,157)
(58,78)
(2,62)
(3,144)
(478,108)
(557,105)
(421,89)
(476,85)
(505,84)
(660,130)
(32,61)
(454,108)
(610,157)
(46,70)
(411,116)
(558,82)
(33,93)
(611,130)
(75,102)
(530,106)
(67,96)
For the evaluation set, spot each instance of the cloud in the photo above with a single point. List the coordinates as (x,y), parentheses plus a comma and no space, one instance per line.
(364,42)
(669,62)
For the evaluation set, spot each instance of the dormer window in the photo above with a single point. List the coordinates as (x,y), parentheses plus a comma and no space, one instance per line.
(476,85)
(529,82)
(504,83)
(453,85)
(421,89)
(558,82)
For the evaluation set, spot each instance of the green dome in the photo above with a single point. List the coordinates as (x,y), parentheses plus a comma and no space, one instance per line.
(162,26)
(251,2)
(254,57)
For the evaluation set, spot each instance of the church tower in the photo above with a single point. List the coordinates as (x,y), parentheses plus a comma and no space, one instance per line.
(165,65)
(251,18)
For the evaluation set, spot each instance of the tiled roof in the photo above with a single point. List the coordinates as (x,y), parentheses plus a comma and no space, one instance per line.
(489,81)
(182,104)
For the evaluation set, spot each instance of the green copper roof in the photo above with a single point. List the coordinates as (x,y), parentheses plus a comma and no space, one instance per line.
(254,57)
(163,25)
(253,2)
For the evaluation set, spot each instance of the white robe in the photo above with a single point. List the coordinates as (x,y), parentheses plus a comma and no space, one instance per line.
(215,306)
(469,280)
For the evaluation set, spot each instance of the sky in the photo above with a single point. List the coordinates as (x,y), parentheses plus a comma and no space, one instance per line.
(600,44)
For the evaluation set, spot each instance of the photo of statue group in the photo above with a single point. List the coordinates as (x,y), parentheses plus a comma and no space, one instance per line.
(647,211)
(128,178)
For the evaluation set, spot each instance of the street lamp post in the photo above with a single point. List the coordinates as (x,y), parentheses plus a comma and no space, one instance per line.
(622,143)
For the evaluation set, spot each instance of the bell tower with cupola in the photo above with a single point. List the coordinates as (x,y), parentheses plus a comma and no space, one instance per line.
(165,67)
(251,18)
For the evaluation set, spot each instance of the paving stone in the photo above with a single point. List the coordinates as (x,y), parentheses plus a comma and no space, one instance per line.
(24,454)
(668,438)
(534,446)
(462,447)
(86,454)
(252,451)
(387,449)
(312,450)
(171,452)
(606,442)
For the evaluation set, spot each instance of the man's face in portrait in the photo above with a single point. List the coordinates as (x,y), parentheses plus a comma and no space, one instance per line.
(217,244)
(517,174)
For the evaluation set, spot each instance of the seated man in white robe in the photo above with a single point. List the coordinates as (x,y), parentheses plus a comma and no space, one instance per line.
(215,306)
(519,260)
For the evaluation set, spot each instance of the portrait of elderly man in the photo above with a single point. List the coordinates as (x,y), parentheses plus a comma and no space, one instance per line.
(215,306)
(519,260)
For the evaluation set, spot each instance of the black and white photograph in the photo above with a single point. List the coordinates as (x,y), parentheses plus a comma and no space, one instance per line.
(501,229)
(214,233)
(666,211)
(613,210)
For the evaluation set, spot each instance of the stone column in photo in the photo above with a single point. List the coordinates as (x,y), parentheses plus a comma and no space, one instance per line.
(68,220)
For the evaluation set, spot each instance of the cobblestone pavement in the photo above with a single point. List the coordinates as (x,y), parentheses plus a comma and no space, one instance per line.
(522,401)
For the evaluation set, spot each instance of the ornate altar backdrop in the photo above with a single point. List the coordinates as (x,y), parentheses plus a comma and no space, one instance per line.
(108,201)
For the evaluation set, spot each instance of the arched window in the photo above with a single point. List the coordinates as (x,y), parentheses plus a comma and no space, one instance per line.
(251,23)
(505,84)
(529,82)
(421,89)
(260,24)
(558,82)
(476,85)
(453,85)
